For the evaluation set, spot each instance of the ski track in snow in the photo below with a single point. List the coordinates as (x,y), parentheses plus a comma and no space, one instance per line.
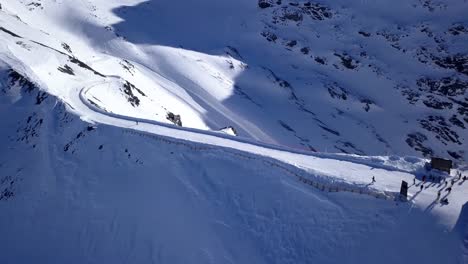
(224,143)
(315,174)
(314,164)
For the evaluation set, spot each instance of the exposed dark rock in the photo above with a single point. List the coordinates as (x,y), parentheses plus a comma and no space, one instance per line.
(131,97)
(347,61)
(305,50)
(458,62)
(454,120)
(463,111)
(291,43)
(449,86)
(296,12)
(283,83)
(336,91)
(432,6)
(416,140)
(23,45)
(329,130)
(85,66)
(9,32)
(367,103)
(129,67)
(269,36)
(66,69)
(365,34)
(286,126)
(320,60)
(455,155)
(389,36)
(40,97)
(458,29)
(239,91)
(293,15)
(435,103)
(7,187)
(30,131)
(317,11)
(348,147)
(34,5)
(17,79)
(441,129)
(75,141)
(66,47)
(411,95)
(175,119)
(265,3)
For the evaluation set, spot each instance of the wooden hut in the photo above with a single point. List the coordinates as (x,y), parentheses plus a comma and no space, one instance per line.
(441,164)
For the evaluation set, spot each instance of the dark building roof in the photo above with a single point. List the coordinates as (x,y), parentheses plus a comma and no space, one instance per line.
(441,164)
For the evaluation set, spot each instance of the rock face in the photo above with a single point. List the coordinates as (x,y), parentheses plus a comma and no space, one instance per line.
(438,93)
(335,76)
(175,119)
(265,3)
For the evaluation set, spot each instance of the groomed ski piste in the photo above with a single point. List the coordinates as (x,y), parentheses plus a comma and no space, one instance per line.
(100,182)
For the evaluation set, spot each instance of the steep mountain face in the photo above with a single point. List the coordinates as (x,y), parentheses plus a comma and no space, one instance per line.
(218,131)
(362,78)
(77,192)
(395,69)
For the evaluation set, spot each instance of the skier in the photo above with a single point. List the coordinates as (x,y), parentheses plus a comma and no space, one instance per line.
(373,179)
(438,195)
(414,181)
(422,186)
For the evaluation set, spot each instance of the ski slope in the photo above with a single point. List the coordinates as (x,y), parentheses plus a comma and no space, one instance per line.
(93,171)
(123,195)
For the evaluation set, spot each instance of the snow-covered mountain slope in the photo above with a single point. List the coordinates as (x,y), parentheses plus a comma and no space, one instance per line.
(77,192)
(363,78)
(114,115)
